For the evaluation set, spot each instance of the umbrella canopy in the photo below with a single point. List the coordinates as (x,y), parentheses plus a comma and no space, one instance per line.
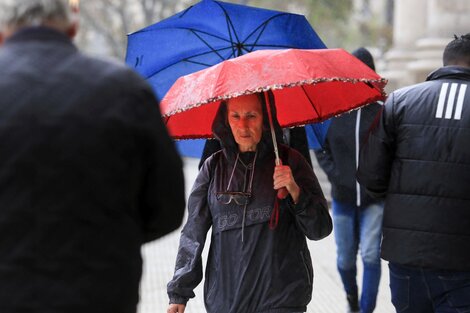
(208,33)
(308,85)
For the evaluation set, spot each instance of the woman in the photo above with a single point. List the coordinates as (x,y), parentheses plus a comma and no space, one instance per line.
(258,260)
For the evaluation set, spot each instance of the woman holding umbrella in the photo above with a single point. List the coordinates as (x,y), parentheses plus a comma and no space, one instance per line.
(258,258)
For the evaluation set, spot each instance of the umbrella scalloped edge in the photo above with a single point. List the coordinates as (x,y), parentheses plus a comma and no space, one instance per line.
(381,81)
(324,118)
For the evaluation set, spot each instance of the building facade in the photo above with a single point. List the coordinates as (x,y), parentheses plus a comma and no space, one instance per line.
(421,30)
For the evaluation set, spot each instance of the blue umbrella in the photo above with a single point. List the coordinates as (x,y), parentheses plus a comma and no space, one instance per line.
(208,33)
(316,134)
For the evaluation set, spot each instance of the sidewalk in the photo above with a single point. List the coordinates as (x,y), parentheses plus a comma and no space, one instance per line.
(328,295)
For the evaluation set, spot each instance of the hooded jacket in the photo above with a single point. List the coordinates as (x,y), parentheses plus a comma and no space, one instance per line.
(250,268)
(419,157)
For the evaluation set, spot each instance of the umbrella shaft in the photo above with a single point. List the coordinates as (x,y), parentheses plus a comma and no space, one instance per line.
(273,132)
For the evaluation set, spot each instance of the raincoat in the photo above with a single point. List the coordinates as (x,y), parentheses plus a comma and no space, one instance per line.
(250,268)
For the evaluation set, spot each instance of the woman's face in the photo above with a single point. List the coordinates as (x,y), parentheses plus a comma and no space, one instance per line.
(245,118)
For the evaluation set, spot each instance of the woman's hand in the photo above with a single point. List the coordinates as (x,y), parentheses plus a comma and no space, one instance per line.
(176,308)
(283,178)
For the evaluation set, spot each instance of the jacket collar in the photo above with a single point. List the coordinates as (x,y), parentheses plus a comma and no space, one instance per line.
(43,34)
(448,72)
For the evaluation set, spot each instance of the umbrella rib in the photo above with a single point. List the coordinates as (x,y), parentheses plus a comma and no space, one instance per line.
(259,35)
(186,28)
(310,100)
(262,25)
(230,26)
(207,44)
(186,60)
(212,50)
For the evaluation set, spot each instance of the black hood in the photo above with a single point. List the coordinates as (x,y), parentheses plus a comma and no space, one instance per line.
(364,55)
(221,128)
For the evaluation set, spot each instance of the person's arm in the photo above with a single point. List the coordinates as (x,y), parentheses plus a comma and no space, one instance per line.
(188,268)
(376,156)
(306,201)
(162,199)
(326,161)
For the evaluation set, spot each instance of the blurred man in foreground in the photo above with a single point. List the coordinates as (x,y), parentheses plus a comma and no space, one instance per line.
(88,172)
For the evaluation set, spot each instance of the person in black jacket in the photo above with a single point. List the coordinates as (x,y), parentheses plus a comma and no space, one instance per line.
(88,172)
(258,256)
(357,218)
(418,157)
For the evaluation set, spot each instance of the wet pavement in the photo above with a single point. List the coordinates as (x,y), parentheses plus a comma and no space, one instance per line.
(328,295)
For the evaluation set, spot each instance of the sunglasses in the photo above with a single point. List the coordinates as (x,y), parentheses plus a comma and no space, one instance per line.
(240,198)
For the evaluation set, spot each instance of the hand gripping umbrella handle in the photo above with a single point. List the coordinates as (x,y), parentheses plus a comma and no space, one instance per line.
(281,193)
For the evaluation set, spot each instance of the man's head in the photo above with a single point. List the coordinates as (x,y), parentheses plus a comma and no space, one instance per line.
(457,52)
(18,14)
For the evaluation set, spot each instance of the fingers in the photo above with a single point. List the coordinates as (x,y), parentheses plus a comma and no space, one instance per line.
(282,176)
(176,308)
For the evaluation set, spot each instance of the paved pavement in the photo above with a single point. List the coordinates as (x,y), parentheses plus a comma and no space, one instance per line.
(328,295)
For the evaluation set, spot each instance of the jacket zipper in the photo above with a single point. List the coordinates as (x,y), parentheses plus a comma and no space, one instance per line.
(358,126)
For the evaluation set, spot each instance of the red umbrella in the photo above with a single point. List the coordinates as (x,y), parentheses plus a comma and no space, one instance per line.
(308,85)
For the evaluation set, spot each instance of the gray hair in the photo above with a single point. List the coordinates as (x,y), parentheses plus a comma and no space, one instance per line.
(15,14)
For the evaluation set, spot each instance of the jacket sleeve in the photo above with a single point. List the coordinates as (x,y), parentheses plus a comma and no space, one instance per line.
(188,268)
(376,156)
(326,161)
(161,195)
(311,211)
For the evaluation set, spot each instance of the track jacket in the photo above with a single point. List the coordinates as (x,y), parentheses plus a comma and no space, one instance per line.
(419,157)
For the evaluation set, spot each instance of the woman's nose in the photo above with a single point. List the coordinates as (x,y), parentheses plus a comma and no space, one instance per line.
(243,123)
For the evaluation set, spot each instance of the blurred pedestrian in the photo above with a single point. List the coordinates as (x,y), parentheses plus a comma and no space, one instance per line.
(256,263)
(419,159)
(357,217)
(88,172)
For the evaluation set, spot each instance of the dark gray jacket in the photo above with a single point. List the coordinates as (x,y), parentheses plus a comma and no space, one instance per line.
(88,174)
(340,154)
(270,270)
(419,157)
